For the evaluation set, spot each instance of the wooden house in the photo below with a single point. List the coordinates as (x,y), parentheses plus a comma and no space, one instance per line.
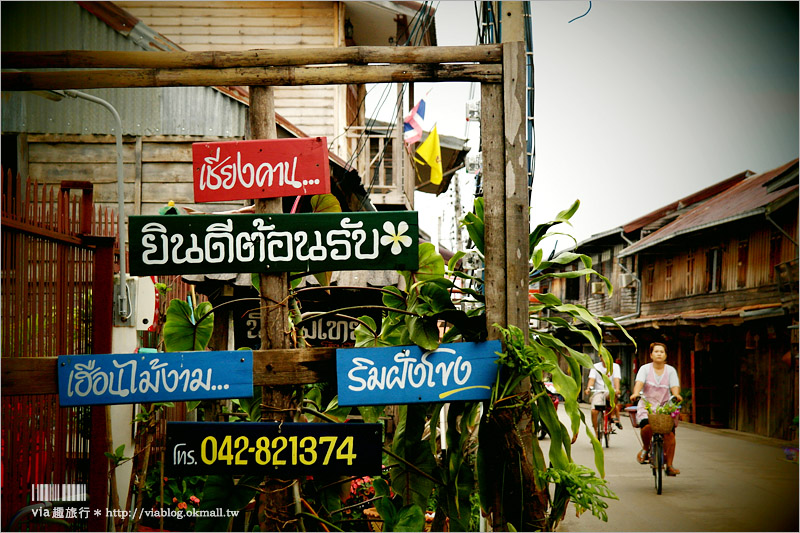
(333,111)
(51,138)
(714,276)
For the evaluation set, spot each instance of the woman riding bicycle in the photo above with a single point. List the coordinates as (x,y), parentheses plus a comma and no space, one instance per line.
(656,381)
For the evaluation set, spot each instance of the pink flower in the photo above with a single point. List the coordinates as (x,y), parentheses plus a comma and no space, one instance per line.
(174,500)
(182,505)
(194,499)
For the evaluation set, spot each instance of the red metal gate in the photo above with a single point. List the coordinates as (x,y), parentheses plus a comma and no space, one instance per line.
(57,275)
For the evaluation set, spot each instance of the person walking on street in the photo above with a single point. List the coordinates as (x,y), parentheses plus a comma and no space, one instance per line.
(657,382)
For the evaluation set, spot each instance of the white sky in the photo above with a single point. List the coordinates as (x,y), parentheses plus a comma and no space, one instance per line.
(637,104)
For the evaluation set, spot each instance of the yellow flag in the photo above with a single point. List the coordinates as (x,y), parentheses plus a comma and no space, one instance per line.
(431,153)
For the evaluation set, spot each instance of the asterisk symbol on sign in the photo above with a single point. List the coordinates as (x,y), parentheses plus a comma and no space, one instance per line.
(98,512)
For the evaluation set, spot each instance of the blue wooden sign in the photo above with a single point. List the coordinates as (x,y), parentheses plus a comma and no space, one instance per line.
(285,450)
(154,377)
(407,374)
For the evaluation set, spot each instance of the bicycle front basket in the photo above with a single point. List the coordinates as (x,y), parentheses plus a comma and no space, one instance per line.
(661,423)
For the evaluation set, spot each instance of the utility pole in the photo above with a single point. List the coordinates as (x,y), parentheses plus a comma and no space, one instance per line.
(506,231)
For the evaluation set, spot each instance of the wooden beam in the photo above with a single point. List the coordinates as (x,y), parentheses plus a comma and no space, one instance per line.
(254,76)
(300,366)
(355,55)
(29,375)
(278,367)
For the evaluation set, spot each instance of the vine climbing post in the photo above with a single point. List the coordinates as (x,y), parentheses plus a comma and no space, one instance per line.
(278,403)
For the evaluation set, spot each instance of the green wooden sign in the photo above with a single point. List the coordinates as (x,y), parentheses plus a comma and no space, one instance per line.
(208,244)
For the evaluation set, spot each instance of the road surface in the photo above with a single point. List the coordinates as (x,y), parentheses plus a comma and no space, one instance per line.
(729,481)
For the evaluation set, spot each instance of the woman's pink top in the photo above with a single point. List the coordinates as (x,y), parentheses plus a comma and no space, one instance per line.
(656,389)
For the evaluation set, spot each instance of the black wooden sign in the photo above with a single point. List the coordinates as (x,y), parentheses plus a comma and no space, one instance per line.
(275,449)
(208,244)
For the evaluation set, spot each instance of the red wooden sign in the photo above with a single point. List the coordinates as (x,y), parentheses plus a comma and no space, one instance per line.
(241,170)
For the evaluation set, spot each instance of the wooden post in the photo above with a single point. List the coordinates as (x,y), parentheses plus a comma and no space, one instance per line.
(694,394)
(517,216)
(102,312)
(506,229)
(492,140)
(277,403)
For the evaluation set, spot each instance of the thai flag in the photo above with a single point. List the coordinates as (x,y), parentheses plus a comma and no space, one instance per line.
(412,124)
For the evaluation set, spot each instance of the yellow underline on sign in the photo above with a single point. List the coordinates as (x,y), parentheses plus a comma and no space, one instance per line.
(448,393)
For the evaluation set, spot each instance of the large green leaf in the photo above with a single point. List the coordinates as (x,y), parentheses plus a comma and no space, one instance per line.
(541,231)
(252,405)
(437,298)
(451,264)
(393,297)
(565,258)
(458,474)
(188,330)
(410,518)
(475,229)
(325,203)
(431,264)
(424,332)
(408,445)
(222,492)
(384,504)
(366,336)
(335,412)
(611,320)
(474,224)
(566,214)
(371,413)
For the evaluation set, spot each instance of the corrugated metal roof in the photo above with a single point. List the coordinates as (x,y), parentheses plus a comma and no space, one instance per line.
(745,199)
(201,111)
(707,316)
(685,202)
(39,26)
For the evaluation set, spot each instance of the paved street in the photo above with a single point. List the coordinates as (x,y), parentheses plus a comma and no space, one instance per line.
(729,481)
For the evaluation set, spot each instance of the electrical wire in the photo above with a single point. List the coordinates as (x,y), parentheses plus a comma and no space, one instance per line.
(587,12)
(420,25)
(421,19)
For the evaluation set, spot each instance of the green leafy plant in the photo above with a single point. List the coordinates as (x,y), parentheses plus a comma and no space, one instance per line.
(409,517)
(118,456)
(224,492)
(188,329)
(669,408)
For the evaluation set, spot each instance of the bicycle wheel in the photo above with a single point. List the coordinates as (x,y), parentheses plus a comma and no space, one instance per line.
(606,429)
(657,459)
(600,431)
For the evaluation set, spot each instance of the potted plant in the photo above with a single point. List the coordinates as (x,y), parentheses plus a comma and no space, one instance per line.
(686,405)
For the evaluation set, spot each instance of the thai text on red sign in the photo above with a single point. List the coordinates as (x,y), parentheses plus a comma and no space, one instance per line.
(242,170)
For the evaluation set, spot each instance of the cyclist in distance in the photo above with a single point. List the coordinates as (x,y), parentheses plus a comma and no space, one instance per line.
(656,381)
(600,396)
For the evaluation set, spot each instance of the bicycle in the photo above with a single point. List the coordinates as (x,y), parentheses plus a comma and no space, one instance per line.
(605,426)
(661,424)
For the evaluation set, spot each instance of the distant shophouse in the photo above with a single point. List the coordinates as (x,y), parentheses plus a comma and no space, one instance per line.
(713,275)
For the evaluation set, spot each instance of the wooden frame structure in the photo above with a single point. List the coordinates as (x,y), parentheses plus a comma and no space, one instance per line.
(499,68)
